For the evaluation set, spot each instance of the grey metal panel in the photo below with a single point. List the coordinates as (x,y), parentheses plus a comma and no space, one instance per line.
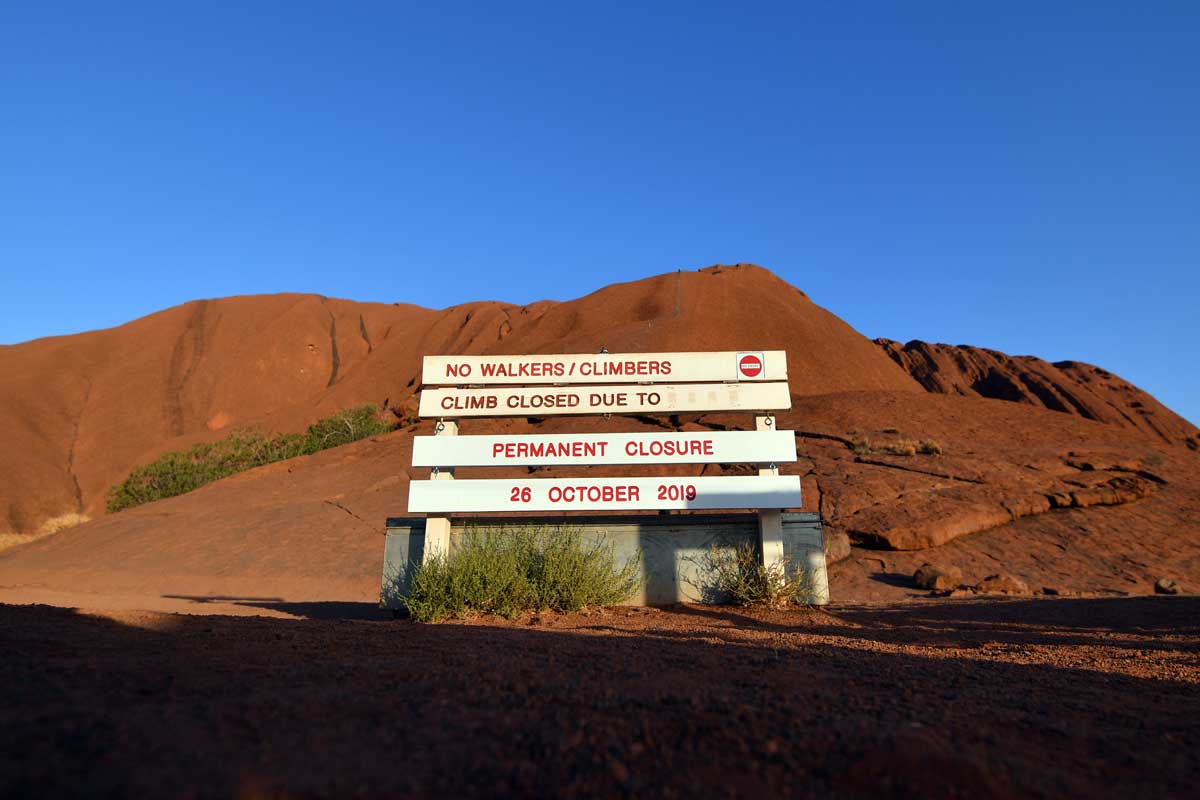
(402,549)
(674,549)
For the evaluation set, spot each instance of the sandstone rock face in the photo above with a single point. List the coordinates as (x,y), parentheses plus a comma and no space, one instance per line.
(1002,583)
(949,511)
(1071,387)
(928,576)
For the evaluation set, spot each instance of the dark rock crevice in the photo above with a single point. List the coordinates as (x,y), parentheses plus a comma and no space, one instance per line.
(335,359)
(185,356)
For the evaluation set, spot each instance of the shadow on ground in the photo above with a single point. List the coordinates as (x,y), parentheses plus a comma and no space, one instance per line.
(880,702)
(329,610)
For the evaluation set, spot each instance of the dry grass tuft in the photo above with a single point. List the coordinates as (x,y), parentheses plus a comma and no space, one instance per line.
(61,523)
(9,540)
(896,447)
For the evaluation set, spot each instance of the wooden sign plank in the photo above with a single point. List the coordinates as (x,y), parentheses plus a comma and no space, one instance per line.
(604,494)
(709,447)
(534,401)
(744,365)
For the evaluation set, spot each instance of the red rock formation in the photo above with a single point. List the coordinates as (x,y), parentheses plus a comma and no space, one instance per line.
(78,412)
(1079,501)
(1068,386)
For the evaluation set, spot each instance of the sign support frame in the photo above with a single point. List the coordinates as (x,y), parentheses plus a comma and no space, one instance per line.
(437,529)
(770,520)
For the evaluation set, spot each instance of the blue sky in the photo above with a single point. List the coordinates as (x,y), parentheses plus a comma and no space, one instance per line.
(1017,176)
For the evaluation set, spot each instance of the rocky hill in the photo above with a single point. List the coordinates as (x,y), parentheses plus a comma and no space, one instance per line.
(1062,475)
(78,412)
(1068,386)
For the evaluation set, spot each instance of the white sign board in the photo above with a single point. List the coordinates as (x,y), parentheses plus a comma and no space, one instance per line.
(533,401)
(709,447)
(746,365)
(604,494)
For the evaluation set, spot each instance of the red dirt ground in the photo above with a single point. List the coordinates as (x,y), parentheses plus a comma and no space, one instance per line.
(931,699)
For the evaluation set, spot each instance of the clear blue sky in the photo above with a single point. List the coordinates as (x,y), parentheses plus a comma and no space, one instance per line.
(1021,177)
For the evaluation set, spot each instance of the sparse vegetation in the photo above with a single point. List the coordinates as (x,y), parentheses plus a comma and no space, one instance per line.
(182,471)
(512,571)
(738,576)
(896,447)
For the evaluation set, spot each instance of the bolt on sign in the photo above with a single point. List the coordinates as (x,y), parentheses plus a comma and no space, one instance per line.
(631,383)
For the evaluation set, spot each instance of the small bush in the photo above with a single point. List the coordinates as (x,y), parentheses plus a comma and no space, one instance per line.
(895,447)
(179,472)
(740,577)
(511,572)
(344,427)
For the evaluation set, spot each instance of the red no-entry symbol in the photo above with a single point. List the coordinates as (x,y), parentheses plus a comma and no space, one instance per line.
(750,365)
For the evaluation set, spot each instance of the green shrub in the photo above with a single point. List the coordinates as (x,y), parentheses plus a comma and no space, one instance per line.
(738,576)
(513,571)
(182,471)
(348,425)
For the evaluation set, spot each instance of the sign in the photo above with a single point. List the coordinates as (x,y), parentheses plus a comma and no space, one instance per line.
(534,401)
(750,365)
(709,447)
(605,368)
(604,494)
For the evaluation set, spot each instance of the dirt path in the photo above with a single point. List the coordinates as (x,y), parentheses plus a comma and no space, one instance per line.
(1052,698)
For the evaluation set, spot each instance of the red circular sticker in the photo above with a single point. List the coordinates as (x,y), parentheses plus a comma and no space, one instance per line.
(750,366)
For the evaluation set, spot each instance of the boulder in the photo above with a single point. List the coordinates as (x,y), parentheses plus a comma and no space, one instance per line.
(1166,586)
(1003,583)
(837,546)
(938,579)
